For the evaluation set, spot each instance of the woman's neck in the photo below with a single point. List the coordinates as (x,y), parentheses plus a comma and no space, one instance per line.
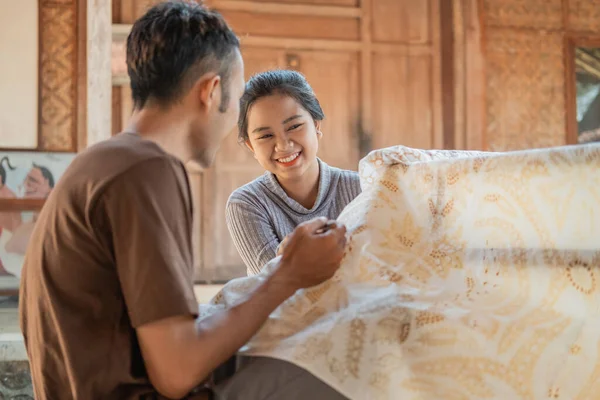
(305,189)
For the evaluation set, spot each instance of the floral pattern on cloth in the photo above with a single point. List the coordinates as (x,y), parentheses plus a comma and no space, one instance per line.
(468,275)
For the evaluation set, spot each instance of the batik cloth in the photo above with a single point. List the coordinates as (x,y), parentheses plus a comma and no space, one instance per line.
(468,275)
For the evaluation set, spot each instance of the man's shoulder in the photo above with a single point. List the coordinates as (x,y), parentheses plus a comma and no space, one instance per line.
(123,151)
(120,157)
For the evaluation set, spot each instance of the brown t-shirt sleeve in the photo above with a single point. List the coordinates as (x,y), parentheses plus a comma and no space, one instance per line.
(149,213)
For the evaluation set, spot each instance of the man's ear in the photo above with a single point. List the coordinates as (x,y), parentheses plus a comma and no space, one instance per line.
(318,127)
(209,91)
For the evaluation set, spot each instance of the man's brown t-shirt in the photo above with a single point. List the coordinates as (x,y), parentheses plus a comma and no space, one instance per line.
(111,251)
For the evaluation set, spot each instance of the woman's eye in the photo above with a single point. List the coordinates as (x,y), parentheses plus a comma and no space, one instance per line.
(268,135)
(296,126)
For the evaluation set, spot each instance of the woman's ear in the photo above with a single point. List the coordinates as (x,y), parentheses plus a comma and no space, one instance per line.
(318,127)
(249,146)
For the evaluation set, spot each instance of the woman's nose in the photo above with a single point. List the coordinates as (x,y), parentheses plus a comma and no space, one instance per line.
(284,144)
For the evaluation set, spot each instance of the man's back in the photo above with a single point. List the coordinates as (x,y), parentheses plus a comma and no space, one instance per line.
(111,251)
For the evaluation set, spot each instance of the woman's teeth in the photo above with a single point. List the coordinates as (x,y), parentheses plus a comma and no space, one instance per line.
(288,159)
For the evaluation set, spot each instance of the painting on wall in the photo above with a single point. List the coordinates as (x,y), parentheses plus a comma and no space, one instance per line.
(587,74)
(23,175)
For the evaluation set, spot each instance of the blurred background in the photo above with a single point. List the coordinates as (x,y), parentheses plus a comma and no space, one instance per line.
(492,75)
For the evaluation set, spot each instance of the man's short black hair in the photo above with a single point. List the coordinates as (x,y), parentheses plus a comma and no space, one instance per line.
(174,44)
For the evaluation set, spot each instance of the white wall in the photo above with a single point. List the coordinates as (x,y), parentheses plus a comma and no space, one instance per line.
(18,73)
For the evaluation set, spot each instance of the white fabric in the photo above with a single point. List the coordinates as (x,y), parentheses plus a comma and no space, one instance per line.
(467,276)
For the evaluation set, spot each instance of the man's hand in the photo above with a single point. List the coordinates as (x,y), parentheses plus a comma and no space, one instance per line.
(312,254)
(282,246)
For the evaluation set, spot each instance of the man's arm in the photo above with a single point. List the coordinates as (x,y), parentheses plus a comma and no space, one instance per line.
(180,352)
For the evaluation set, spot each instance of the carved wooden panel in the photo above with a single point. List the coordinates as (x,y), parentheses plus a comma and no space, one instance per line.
(584,16)
(525,89)
(544,14)
(58,75)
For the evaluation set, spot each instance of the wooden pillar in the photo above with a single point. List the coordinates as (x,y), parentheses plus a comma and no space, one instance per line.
(97,72)
(468,75)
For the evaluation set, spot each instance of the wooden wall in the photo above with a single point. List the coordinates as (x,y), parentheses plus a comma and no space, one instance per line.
(374,64)
(466,74)
(525,79)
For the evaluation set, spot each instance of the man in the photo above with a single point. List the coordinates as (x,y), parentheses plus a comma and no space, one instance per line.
(107,303)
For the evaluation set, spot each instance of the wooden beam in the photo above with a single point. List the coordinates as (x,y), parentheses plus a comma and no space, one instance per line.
(572,128)
(475,89)
(300,44)
(366,80)
(442,80)
(293,9)
(120,31)
(120,80)
(17,205)
(402,49)
(459,74)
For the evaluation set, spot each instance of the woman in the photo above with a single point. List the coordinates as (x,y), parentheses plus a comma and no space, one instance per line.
(280,122)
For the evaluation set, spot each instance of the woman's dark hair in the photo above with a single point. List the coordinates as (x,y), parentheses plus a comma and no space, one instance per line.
(174,44)
(284,82)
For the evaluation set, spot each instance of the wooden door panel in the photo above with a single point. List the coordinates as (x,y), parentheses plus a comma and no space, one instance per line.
(402,101)
(390,103)
(401,21)
(420,92)
(334,76)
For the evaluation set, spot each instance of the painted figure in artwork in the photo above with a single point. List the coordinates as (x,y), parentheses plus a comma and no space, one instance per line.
(9,221)
(37,185)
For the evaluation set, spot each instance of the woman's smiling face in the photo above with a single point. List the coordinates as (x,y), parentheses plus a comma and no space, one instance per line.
(283,136)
